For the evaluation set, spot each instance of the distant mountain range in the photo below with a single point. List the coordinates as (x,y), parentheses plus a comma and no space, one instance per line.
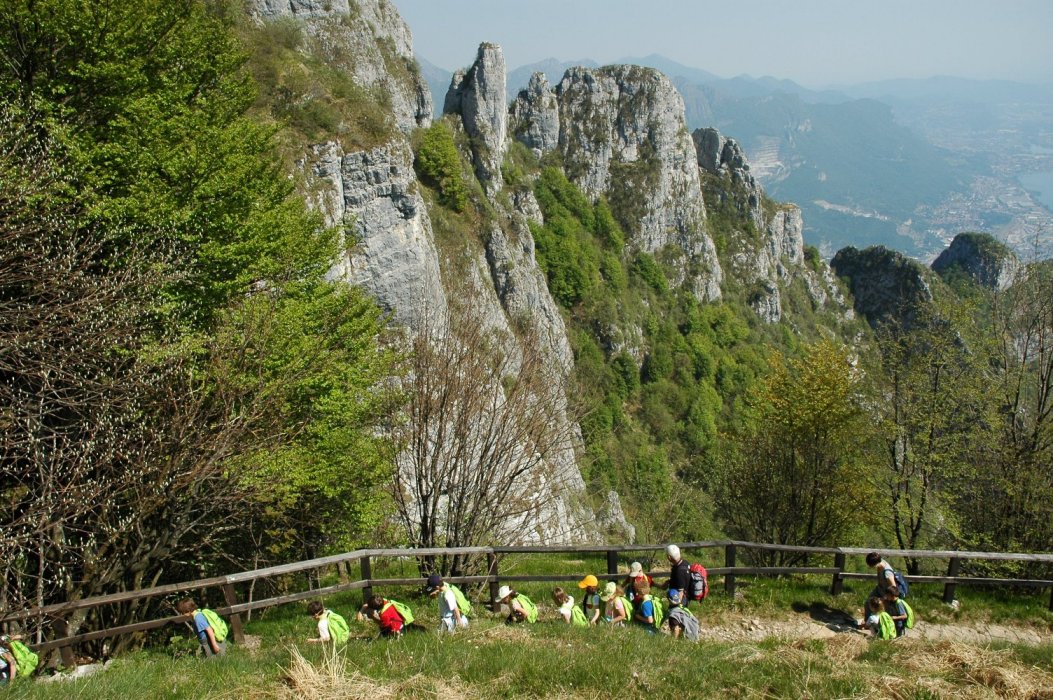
(903,163)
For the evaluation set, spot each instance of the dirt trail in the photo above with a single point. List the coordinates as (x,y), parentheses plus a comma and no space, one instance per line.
(820,626)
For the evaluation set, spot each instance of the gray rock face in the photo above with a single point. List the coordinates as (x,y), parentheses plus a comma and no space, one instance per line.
(375,35)
(478,97)
(886,285)
(982,257)
(373,195)
(535,116)
(778,258)
(622,134)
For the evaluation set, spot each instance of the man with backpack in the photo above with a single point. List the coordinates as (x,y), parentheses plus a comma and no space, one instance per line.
(331,626)
(210,627)
(679,574)
(454,607)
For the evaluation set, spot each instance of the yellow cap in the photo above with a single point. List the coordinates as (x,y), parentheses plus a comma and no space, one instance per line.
(589,580)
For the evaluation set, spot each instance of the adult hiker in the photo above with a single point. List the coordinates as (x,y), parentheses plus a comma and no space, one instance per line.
(679,573)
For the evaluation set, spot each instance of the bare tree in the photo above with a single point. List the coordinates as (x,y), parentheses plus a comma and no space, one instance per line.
(486,429)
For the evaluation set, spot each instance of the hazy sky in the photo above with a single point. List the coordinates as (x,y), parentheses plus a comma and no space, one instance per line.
(814,42)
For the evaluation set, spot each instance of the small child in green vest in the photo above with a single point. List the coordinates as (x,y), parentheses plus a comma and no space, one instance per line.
(210,628)
(331,626)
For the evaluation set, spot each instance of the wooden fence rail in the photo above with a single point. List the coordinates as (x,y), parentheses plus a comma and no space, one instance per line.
(58,614)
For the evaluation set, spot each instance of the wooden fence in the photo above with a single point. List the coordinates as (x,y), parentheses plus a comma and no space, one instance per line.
(55,616)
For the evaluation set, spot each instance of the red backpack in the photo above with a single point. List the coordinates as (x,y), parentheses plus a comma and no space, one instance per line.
(698,588)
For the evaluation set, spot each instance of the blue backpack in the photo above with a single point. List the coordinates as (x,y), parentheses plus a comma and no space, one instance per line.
(901,584)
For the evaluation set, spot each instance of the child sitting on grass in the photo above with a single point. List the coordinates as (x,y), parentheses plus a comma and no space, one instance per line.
(643,608)
(570,614)
(617,607)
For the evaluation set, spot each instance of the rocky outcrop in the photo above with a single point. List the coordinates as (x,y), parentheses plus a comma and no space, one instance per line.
(478,97)
(887,286)
(622,134)
(389,246)
(771,255)
(723,157)
(982,257)
(535,114)
(368,39)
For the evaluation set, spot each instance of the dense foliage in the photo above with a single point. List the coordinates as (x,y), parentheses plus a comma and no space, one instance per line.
(225,408)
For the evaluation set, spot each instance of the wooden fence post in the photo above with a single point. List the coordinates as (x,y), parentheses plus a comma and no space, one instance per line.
(367,573)
(61,627)
(231,596)
(729,562)
(612,561)
(838,585)
(948,588)
(491,571)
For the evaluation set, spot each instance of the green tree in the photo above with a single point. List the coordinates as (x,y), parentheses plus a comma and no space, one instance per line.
(934,420)
(256,388)
(439,163)
(796,473)
(1010,502)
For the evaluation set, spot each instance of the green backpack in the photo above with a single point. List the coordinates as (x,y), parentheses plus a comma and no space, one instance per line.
(659,612)
(463,604)
(25,658)
(886,626)
(219,627)
(403,610)
(577,617)
(628,607)
(338,629)
(530,608)
(910,614)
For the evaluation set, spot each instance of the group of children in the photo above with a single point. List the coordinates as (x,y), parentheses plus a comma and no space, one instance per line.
(630,603)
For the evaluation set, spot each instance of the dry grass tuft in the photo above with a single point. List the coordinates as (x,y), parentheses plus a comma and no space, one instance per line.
(845,647)
(981,672)
(330,681)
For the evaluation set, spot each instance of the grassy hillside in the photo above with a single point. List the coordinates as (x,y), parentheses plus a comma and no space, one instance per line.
(551,660)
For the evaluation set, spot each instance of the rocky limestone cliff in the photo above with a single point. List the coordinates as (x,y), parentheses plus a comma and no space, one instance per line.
(374,35)
(535,114)
(887,286)
(478,98)
(621,133)
(772,255)
(982,257)
(391,249)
